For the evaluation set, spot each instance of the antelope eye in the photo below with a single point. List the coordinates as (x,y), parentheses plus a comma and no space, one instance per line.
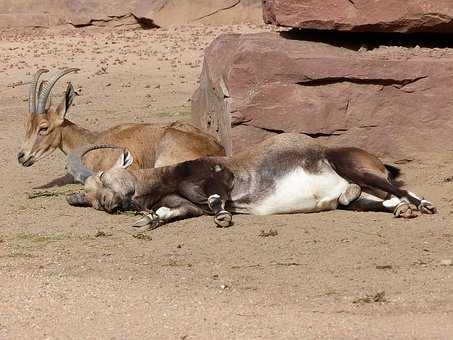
(43,130)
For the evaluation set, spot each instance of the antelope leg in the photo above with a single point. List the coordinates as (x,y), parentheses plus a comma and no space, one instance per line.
(168,209)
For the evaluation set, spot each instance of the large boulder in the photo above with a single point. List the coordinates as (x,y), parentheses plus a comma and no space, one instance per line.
(362,15)
(162,13)
(393,101)
(213,12)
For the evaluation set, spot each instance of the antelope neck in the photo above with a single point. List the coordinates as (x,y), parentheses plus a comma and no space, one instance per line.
(73,136)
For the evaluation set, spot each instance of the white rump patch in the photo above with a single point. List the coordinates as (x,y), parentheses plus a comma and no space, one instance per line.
(301,191)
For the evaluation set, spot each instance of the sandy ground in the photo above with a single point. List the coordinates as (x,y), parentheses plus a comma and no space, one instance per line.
(77,273)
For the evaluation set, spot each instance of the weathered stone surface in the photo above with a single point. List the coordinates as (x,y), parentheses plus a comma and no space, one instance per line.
(217,12)
(392,101)
(163,13)
(362,15)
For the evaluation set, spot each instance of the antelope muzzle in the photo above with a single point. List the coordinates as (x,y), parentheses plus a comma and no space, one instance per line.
(25,160)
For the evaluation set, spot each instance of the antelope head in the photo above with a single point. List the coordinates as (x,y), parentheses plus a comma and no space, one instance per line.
(43,122)
(108,190)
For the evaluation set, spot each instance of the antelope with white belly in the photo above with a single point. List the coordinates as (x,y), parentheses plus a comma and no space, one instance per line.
(287,173)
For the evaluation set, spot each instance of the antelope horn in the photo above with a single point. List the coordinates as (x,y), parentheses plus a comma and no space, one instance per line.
(78,199)
(44,94)
(75,166)
(32,91)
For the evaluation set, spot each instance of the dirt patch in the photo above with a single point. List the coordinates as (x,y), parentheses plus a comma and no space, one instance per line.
(79,273)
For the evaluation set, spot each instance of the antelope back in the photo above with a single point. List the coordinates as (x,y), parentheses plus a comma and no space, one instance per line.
(182,142)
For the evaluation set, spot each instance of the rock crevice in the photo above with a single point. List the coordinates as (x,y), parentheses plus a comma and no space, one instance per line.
(399,83)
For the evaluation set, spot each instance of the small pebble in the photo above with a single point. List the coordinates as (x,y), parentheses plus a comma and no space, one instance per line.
(447,262)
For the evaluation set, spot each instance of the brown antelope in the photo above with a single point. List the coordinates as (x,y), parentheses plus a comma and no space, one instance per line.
(48,129)
(287,173)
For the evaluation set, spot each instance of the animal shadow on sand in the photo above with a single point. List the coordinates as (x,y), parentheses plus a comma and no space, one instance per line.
(57,182)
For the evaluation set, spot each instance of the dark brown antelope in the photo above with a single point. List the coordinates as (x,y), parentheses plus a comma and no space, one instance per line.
(288,173)
(48,129)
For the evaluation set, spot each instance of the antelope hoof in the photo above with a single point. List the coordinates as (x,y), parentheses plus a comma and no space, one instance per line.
(427,207)
(404,210)
(350,195)
(223,219)
(149,219)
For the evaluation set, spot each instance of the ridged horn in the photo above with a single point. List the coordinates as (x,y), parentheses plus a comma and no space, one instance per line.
(32,92)
(74,164)
(44,94)
(78,199)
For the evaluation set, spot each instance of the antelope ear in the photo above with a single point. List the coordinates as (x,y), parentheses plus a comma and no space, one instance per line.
(66,103)
(125,160)
(78,199)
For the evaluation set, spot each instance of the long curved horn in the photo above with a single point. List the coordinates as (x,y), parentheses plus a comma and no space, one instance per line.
(75,166)
(32,91)
(78,199)
(44,94)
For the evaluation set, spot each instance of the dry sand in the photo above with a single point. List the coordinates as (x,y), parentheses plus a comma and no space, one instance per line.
(77,273)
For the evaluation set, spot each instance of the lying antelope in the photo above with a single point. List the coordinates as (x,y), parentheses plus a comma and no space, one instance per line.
(48,129)
(287,173)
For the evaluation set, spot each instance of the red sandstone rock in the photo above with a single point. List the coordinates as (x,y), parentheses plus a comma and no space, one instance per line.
(164,13)
(362,15)
(392,101)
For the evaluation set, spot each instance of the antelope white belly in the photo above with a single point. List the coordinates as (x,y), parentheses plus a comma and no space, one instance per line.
(301,191)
